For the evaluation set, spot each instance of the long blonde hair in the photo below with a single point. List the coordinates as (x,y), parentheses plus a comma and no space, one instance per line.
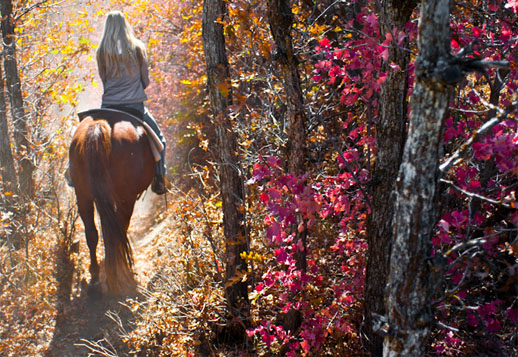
(118,46)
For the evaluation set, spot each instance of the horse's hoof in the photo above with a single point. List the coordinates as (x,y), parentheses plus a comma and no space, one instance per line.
(94,290)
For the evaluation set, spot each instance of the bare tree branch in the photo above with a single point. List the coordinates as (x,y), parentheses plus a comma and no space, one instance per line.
(476,195)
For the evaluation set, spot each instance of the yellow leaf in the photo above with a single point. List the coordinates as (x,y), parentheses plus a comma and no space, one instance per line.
(224,88)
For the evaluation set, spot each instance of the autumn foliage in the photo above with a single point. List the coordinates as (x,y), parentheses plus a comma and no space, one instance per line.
(343,59)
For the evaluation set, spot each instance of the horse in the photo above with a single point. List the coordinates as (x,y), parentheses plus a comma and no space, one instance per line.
(111,164)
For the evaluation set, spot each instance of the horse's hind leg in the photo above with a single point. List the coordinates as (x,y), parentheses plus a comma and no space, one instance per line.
(125,210)
(86,211)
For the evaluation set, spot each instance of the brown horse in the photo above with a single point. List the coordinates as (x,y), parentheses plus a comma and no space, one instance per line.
(111,164)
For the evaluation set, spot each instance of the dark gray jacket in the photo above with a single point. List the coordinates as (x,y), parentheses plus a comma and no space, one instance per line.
(128,87)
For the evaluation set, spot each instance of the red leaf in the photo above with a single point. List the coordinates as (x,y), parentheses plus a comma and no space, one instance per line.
(475,184)
(476,31)
(455,45)
(324,43)
(305,346)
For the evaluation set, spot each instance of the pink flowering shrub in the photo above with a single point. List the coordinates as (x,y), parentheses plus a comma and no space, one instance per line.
(476,234)
(328,293)
(475,244)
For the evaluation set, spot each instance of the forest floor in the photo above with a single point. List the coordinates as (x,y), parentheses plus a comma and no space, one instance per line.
(87,325)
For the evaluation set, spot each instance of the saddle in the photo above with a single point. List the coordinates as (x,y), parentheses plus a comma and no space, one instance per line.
(132,115)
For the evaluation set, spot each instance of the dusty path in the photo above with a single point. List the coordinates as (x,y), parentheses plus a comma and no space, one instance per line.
(83,325)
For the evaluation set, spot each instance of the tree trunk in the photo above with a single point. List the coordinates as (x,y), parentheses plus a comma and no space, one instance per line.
(231,185)
(280,18)
(12,79)
(391,135)
(410,281)
(7,170)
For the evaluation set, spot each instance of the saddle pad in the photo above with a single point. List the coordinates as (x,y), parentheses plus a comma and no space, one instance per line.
(106,113)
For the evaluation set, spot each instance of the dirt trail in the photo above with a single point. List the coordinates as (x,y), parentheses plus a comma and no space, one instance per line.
(83,324)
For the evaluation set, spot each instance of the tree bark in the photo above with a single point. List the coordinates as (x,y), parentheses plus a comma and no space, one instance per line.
(409,291)
(231,185)
(7,170)
(391,136)
(280,18)
(12,78)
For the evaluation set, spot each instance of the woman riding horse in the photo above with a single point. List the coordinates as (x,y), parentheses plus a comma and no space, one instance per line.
(123,68)
(111,162)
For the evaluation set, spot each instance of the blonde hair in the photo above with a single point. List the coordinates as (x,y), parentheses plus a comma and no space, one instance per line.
(118,46)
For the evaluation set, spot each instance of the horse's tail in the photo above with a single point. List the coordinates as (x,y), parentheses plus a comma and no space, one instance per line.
(118,259)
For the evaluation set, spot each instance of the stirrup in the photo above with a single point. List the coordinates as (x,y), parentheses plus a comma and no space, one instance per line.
(158,185)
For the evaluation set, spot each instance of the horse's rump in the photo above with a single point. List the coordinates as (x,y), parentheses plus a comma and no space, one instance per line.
(130,161)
